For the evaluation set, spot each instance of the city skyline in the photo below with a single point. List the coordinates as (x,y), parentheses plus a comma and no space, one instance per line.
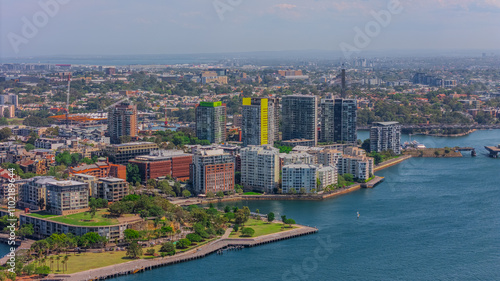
(127,28)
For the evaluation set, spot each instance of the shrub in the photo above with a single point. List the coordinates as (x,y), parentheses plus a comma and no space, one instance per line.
(168,248)
(220,231)
(247,232)
(150,252)
(193,237)
(183,243)
(236,227)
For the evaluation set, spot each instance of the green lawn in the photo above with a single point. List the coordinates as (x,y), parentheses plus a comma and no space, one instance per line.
(261,228)
(42,215)
(252,193)
(84,219)
(87,261)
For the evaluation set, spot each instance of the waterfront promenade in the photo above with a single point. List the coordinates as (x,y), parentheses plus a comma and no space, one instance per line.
(21,245)
(137,266)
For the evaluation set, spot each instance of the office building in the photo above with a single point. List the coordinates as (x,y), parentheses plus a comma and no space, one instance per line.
(345,118)
(258,121)
(122,121)
(212,171)
(122,153)
(260,168)
(385,136)
(211,122)
(67,197)
(174,163)
(299,113)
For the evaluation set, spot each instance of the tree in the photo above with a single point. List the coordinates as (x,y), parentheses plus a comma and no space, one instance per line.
(210,194)
(377,158)
(247,232)
(270,217)
(64,158)
(183,243)
(4,121)
(133,174)
(292,191)
(220,194)
(29,147)
(289,222)
(125,139)
(42,270)
(25,230)
(302,190)
(240,217)
(167,230)
(436,153)
(134,250)
(131,234)
(366,145)
(186,193)
(168,248)
(5,133)
(348,177)
(227,209)
(193,237)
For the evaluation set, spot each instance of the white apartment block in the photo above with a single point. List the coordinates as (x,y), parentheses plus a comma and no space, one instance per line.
(260,167)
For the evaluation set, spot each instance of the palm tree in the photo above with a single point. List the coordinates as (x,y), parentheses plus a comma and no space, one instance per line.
(51,262)
(63,263)
(58,258)
(66,258)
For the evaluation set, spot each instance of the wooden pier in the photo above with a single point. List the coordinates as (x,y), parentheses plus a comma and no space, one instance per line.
(142,265)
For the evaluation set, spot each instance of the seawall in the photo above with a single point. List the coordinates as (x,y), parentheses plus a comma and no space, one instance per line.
(141,265)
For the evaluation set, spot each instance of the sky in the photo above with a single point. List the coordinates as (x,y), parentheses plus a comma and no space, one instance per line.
(127,27)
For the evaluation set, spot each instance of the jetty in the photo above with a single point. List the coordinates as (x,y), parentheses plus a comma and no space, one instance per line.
(494,150)
(217,246)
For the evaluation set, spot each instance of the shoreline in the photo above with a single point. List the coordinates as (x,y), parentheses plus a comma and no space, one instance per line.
(224,242)
(141,265)
(310,197)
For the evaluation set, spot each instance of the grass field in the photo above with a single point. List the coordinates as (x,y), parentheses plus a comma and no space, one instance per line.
(261,228)
(15,121)
(84,219)
(42,215)
(87,261)
(252,193)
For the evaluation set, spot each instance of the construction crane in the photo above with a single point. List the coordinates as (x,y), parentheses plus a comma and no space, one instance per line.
(67,100)
(120,101)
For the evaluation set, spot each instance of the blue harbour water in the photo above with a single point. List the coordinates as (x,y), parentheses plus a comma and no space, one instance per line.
(431,219)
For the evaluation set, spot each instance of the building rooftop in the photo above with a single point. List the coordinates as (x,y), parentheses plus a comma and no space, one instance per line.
(85,176)
(301,166)
(132,144)
(111,179)
(386,123)
(66,183)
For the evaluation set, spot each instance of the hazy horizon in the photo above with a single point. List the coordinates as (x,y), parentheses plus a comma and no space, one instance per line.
(94,28)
